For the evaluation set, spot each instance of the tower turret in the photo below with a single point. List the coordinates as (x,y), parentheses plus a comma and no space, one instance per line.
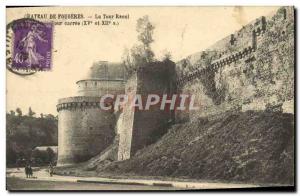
(84,129)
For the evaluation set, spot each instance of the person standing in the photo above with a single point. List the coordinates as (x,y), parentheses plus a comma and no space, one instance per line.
(26,171)
(30,171)
(50,168)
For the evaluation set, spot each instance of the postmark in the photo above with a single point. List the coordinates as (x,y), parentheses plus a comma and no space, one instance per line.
(29,46)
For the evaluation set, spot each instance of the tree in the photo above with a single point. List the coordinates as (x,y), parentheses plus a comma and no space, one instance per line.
(12,113)
(25,133)
(50,116)
(167,55)
(30,112)
(140,54)
(19,112)
(145,30)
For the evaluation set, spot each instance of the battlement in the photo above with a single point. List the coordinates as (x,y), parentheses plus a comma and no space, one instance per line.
(237,46)
(79,102)
(251,69)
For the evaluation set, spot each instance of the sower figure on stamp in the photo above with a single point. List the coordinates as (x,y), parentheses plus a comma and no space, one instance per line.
(29,44)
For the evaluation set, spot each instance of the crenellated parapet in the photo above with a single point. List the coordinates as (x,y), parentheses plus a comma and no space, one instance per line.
(79,102)
(237,46)
(252,68)
(258,28)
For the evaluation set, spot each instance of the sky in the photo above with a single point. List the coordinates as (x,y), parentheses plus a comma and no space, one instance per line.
(181,31)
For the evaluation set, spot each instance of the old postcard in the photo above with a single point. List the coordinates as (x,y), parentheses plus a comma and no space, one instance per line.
(150,98)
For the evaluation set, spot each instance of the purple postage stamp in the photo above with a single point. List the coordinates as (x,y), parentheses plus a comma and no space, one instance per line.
(32,45)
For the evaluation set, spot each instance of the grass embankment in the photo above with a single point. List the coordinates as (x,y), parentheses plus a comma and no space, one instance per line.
(252,147)
(249,147)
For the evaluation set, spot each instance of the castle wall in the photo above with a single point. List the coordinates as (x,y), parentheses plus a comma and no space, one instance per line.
(125,122)
(143,127)
(84,129)
(252,69)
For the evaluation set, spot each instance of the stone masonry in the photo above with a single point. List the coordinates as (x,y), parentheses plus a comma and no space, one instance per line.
(251,69)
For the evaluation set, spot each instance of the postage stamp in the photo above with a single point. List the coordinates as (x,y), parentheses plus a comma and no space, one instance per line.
(32,45)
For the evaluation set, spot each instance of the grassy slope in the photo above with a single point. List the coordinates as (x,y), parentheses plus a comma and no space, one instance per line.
(255,147)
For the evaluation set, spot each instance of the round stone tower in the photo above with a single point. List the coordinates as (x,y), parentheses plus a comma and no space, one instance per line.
(84,130)
(102,78)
